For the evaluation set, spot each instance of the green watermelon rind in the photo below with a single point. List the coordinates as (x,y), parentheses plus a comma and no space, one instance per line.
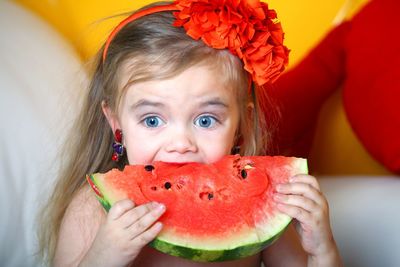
(202,255)
(196,254)
(211,255)
(104,201)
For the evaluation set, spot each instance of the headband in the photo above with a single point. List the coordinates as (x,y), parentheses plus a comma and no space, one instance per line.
(247,28)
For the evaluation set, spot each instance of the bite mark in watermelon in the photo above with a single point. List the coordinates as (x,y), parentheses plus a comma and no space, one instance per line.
(215,212)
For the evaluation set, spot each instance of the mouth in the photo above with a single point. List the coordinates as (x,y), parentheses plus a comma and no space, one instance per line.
(180,160)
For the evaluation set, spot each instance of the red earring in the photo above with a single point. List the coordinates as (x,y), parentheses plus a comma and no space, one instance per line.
(117,146)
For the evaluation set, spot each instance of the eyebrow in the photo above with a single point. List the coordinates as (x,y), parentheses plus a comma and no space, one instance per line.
(214,102)
(145,102)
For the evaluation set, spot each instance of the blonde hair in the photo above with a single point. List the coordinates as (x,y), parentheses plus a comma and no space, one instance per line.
(154,50)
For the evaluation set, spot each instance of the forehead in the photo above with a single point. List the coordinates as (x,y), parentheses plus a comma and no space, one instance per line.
(197,83)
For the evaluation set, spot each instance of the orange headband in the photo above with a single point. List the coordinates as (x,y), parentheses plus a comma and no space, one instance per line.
(246,27)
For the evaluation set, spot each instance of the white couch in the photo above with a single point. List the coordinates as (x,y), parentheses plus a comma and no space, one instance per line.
(39,93)
(40,77)
(365,217)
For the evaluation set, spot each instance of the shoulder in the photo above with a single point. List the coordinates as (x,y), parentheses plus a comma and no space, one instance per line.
(84,204)
(84,210)
(79,227)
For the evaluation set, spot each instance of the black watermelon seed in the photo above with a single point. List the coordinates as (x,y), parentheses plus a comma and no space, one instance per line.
(167,185)
(210,196)
(149,168)
(243,173)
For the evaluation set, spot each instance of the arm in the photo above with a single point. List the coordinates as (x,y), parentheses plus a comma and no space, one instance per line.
(89,237)
(78,229)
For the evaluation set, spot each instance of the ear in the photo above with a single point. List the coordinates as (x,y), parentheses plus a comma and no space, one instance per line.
(111,116)
(250,110)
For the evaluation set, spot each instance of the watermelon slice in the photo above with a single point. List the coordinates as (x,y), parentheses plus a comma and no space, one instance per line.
(215,212)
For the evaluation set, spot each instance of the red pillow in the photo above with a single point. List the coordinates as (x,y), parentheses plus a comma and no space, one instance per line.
(362,56)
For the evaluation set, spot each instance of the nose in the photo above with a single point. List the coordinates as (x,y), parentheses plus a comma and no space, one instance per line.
(181,141)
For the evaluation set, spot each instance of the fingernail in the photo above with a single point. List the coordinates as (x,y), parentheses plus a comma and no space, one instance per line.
(160,207)
(279,188)
(158,226)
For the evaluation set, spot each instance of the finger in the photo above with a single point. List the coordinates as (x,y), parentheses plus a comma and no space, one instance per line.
(307,179)
(298,201)
(298,213)
(119,208)
(147,236)
(146,221)
(303,189)
(133,215)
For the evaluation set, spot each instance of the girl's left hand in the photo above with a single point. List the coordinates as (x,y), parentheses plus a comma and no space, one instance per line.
(302,199)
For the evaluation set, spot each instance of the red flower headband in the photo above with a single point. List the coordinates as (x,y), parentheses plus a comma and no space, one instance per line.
(246,27)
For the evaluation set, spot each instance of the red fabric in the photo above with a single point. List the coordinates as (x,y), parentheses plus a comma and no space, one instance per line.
(300,93)
(362,56)
(372,92)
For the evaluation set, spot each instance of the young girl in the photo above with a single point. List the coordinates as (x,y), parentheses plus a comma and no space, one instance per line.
(177,82)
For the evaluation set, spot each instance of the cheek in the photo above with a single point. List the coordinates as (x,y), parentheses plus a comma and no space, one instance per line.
(217,146)
(140,149)
(215,153)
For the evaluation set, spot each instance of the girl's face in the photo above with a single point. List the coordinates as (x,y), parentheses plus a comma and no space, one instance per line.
(192,117)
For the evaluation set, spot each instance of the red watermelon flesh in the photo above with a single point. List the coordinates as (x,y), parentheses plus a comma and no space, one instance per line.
(215,212)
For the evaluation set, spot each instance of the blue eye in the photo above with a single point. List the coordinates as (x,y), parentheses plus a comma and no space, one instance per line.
(205,121)
(153,122)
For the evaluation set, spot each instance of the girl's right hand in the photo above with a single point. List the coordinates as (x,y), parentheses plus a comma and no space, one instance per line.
(126,230)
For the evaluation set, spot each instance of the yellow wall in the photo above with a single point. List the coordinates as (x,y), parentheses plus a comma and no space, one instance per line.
(82,22)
